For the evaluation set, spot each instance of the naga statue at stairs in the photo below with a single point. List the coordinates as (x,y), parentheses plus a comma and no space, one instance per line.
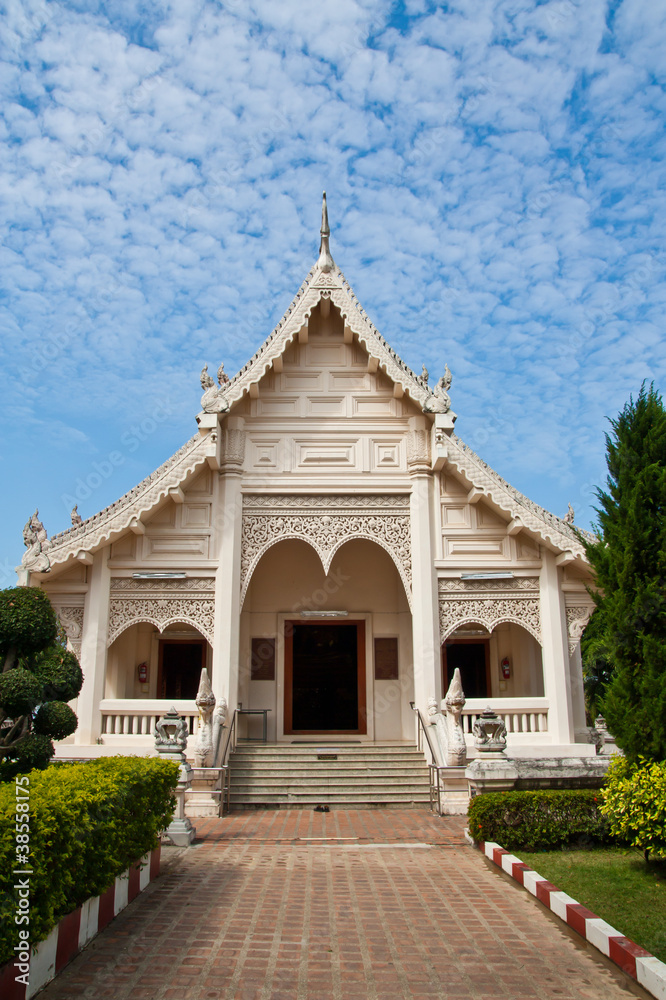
(450,736)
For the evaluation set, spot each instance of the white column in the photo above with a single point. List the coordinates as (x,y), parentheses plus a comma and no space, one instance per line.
(229,521)
(94,638)
(555,653)
(425,611)
(577,692)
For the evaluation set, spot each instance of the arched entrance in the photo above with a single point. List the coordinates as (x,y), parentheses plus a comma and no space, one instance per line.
(328,654)
(171,662)
(502,662)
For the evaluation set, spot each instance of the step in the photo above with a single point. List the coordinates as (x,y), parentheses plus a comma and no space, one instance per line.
(351,774)
(279,786)
(315,755)
(244,775)
(329,798)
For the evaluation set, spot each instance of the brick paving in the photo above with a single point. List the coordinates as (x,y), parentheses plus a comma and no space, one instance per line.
(347,905)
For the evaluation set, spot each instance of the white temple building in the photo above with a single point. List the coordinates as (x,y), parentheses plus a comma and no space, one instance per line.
(331,551)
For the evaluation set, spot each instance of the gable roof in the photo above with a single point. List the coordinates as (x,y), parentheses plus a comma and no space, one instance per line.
(549,527)
(325,281)
(123,513)
(331,285)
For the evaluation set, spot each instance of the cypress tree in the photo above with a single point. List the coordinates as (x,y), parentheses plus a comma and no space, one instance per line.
(629,561)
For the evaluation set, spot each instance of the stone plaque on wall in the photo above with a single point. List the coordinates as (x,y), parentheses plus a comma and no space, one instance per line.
(386,659)
(262,661)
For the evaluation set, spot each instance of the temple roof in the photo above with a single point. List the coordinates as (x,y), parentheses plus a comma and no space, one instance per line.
(325,281)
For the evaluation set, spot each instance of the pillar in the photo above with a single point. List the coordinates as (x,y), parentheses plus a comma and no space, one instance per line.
(425,609)
(555,653)
(229,523)
(94,638)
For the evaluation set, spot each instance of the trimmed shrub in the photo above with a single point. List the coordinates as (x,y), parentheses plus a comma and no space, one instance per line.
(87,823)
(634,803)
(55,719)
(28,622)
(59,672)
(37,676)
(538,820)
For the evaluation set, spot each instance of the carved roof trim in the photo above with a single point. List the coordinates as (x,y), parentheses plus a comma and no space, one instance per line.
(316,286)
(551,528)
(115,518)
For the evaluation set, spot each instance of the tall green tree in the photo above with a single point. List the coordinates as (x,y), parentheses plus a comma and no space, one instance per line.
(38,677)
(629,561)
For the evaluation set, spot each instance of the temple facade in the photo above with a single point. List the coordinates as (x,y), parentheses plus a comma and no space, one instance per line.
(330,550)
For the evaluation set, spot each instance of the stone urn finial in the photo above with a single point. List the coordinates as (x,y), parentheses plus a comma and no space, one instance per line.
(489,732)
(171,734)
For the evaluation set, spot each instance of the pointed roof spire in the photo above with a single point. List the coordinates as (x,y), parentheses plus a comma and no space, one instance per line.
(325,262)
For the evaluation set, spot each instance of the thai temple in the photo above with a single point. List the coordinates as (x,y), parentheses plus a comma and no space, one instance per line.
(330,550)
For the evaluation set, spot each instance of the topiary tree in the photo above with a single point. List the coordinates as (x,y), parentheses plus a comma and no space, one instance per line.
(629,561)
(39,676)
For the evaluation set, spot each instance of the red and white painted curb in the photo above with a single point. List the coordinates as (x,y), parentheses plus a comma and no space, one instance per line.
(77,929)
(632,959)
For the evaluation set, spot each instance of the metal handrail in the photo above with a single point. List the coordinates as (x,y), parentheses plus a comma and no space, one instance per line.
(433,768)
(229,746)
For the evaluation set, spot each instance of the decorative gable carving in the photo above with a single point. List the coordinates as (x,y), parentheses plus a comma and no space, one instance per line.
(489,602)
(326,523)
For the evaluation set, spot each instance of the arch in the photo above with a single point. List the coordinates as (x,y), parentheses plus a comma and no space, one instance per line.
(490,623)
(326,556)
(160,624)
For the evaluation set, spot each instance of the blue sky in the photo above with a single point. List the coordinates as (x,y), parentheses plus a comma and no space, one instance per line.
(495,177)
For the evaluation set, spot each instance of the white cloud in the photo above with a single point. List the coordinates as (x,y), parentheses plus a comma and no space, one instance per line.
(494,184)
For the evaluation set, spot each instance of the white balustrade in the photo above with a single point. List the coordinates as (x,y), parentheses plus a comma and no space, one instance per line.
(521,716)
(137,717)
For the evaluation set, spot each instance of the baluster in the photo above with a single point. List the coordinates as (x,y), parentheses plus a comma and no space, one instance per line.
(118,725)
(524,723)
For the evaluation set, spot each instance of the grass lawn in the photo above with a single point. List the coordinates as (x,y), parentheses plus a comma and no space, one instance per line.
(616,885)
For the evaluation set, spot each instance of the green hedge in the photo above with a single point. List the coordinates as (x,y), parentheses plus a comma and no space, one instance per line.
(538,820)
(88,823)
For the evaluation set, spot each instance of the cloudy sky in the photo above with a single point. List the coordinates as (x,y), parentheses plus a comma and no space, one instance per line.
(494,171)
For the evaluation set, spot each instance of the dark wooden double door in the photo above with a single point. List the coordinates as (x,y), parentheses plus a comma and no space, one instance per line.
(325,677)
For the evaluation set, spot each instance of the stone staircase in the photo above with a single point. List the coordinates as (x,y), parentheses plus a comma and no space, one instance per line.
(349,775)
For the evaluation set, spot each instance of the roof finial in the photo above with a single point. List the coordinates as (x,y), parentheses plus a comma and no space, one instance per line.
(325,262)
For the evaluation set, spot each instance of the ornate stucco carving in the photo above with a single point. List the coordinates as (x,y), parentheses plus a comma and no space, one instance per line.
(213,399)
(440,401)
(36,557)
(71,619)
(489,602)
(577,618)
(233,447)
(118,516)
(326,523)
(418,449)
(162,603)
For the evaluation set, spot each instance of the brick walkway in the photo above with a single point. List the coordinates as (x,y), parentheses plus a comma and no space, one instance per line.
(346,905)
